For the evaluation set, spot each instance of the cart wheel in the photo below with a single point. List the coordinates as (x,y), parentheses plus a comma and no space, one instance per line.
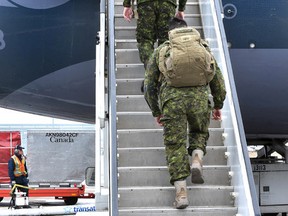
(1,198)
(71,200)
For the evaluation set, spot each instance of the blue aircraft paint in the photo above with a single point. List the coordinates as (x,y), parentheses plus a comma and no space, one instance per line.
(257,33)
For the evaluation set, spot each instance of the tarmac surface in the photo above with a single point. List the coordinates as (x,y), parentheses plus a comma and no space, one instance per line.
(46,202)
(52,203)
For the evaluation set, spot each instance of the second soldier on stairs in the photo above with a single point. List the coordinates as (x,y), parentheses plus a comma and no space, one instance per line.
(153,18)
(176,107)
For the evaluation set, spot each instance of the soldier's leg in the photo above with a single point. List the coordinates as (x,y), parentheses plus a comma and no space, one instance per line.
(165,12)
(198,132)
(198,121)
(145,31)
(175,139)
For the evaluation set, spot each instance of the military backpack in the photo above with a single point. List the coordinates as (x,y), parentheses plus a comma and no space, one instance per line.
(184,59)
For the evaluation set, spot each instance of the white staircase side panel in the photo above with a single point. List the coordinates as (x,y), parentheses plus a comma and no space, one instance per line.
(229,121)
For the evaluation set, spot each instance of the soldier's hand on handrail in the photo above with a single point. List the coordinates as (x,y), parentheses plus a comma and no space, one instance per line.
(158,120)
(216,114)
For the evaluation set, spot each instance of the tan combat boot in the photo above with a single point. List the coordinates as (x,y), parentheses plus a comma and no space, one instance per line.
(181,200)
(196,167)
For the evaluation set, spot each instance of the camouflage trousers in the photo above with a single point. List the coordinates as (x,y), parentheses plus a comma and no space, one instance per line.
(152,24)
(178,115)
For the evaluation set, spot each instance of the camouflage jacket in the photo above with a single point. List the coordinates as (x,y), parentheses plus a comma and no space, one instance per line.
(181,7)
(157,92)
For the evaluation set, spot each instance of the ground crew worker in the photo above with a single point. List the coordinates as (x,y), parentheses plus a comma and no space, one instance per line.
(173,108)
(17,169)
(152,23)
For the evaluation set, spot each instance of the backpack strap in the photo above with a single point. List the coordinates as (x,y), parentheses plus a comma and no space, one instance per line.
(205,44)
(162,57)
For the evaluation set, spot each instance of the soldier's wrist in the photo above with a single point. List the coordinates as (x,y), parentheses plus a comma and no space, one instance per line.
(126,3)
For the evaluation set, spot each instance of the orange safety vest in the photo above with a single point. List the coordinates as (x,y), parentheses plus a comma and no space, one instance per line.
(19,166)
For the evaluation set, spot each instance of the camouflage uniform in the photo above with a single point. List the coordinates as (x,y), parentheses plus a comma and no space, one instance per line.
(179,106)
(152,23)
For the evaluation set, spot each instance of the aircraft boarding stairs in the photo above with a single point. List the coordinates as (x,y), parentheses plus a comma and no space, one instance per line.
(143,178)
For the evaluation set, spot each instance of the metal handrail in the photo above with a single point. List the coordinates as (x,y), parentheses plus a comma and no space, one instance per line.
(113,199)
(99,98)
(105,132)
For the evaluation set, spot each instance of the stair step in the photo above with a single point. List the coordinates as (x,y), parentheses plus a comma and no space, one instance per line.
(127,56)
(129,32)
(130,71)
(193,19)
(164,196)
(145,120)
(159,176)
(133,103)
(123,44)
(170,211)
(156,156)
(126,44)
(154,138)
(132,43)
(129,87)
(125,33)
